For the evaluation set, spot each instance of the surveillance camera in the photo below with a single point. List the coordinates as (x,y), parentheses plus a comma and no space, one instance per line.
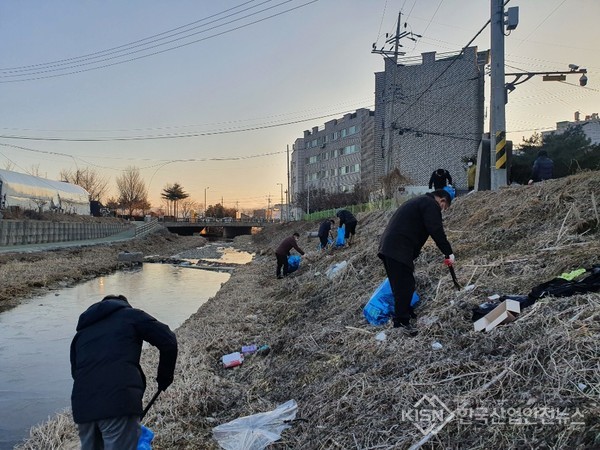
(573,67)
(583,80)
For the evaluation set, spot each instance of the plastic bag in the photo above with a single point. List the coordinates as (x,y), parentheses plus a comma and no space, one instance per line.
(340,239)
(293,263)
(381,307)
(145,440)
(257,431)
(335,270)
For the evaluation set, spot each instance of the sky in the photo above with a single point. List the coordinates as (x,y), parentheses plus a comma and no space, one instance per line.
(210,94)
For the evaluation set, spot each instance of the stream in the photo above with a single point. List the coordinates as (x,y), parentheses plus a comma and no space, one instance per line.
(35,377)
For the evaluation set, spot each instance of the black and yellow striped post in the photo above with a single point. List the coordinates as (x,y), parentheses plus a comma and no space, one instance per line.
(501,156)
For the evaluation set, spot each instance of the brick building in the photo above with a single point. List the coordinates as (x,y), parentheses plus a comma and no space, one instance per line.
(429,114)
(331,157)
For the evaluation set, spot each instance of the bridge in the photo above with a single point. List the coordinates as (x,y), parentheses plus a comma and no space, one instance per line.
(228,226)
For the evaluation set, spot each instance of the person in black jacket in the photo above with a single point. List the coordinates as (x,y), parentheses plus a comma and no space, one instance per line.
(282,253)
(440,178)
(543,168)
(108,381)
(349,222)
(402,241)
(325,232)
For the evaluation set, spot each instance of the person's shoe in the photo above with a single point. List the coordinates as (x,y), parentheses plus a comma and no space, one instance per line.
(405,327)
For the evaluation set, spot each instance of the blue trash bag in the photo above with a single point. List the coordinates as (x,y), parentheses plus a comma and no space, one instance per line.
(293,263)
(380,307)
(340,239)
(145,441)
(450,190)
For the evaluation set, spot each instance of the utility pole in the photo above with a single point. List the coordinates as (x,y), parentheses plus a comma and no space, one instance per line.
(498,157)
(287,192)
(391,64)
(281,204)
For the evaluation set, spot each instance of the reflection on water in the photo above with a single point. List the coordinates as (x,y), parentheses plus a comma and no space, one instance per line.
(231,256)
(35,378)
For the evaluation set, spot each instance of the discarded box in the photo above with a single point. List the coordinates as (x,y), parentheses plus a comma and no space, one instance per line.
(504,312)
(247,349)
(232,359)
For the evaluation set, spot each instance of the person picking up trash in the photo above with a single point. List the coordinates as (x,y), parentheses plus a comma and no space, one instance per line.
(401,243)
(325,232)
(108,381)
(349,222)
(282,253)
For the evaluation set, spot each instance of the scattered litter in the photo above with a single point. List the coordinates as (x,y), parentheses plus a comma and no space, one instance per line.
(335,270)
(494,297)
(582,386)
(256,431)
(248,349)
(263,350)
(232,360)
(437,346)
(293,263)
(503,313)
(469,287)
(381,336)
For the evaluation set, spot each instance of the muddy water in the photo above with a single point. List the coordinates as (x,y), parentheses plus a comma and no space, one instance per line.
(35,379)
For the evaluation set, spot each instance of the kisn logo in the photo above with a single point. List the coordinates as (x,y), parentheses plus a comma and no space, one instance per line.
(429,414)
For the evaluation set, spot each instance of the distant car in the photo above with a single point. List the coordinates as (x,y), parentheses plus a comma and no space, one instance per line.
(227,219)
(210,219)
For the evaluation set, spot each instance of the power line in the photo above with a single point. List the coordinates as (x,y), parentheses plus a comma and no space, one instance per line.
(149,54)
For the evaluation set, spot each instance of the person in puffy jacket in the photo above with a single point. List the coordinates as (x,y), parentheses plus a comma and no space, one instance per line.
(349,222)
(108,381)
(543,168)
(401,243)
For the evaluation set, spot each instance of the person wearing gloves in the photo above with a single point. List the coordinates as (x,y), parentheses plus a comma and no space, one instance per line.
(401,243)
(108,381)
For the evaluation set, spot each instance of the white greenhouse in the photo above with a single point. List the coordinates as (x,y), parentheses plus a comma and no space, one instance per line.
(39,194)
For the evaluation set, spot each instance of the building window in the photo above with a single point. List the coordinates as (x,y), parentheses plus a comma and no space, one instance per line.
(313,143)
(352,130)
(344,133)
(336,135)
(313,159)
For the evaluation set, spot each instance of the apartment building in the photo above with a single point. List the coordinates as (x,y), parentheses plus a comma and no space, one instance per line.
(429,114)
(590,126)
(331,157)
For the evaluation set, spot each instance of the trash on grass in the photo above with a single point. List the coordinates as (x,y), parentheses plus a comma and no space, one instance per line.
(335,270)
(232,360)
(381,336)
(256,431)
(381,306)
(437,346)
(145,440)
(504,312)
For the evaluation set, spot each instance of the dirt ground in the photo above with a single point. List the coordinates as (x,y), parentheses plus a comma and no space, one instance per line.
(354,390)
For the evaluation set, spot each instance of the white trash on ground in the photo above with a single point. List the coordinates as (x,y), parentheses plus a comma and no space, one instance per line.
(335,269)
(257,431)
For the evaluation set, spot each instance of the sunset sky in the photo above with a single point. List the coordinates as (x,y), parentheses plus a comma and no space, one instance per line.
(210,94)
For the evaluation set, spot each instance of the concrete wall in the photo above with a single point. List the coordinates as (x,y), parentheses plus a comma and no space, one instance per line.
(22,232)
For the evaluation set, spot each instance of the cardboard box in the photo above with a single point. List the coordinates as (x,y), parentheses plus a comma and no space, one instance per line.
(503,313)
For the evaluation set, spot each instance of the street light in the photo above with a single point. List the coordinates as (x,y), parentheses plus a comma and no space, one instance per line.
(205,205)
(281,204)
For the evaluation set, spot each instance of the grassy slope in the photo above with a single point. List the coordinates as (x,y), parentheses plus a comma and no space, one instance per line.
(352,389)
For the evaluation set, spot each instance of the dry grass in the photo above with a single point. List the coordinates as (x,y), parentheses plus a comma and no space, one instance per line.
(351,389)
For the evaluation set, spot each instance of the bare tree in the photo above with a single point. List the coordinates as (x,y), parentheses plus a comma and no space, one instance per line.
(188,206)
(132,190)
(9,165)
(87,178)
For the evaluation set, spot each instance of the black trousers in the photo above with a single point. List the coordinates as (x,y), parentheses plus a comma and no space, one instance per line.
(324,240)
(402,282)
(282,261)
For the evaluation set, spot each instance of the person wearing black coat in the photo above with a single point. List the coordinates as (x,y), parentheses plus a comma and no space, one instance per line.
(108,381)
(401,243)
(325,232)
(440,178)
(543,168)
(349,222)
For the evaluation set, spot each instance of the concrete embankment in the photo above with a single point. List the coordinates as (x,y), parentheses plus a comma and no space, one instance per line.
(26,232)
